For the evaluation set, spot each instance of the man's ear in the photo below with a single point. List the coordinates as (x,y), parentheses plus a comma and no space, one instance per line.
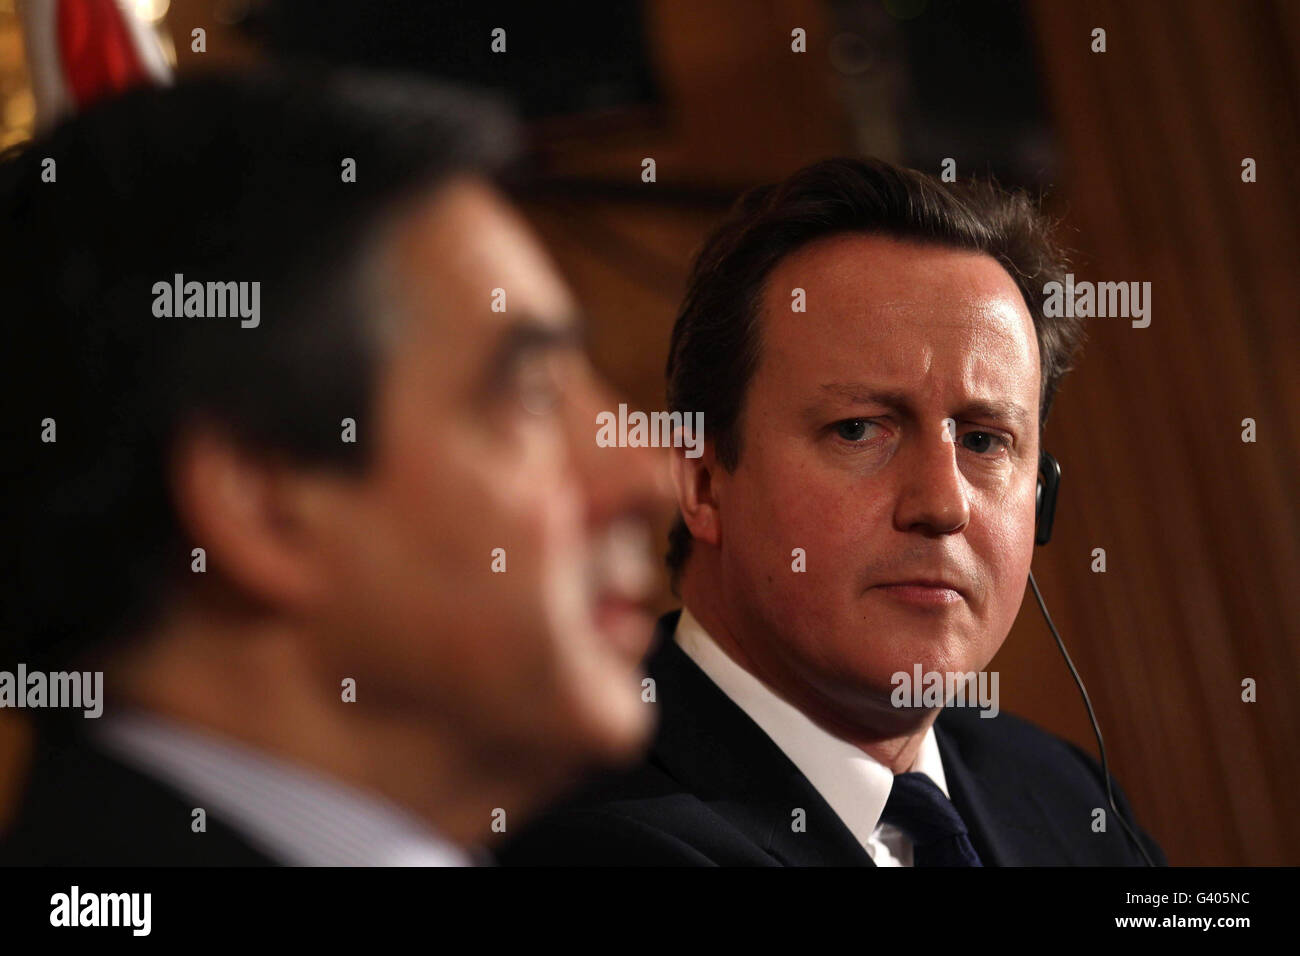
(242,508)
(697,490)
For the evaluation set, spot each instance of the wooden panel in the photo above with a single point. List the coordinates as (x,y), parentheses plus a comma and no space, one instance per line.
(1201,530)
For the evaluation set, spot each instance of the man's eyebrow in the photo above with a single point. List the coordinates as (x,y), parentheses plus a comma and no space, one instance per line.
(531,334)
(992,409)
(998,411)
(866,394)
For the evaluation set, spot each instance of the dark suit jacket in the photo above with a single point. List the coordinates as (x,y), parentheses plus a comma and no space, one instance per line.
(715,789)
(82,807)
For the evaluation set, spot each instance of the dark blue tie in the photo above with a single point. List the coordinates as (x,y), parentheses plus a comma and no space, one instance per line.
(939,838)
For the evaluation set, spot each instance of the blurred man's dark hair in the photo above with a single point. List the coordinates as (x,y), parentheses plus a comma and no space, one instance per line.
(218,179)
(717,339)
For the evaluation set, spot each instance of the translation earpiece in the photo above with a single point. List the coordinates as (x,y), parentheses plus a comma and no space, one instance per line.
(1049,481)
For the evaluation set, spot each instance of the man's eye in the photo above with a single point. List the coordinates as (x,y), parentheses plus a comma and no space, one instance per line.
(540,398)
(852,429)
(538,387)
(984,441)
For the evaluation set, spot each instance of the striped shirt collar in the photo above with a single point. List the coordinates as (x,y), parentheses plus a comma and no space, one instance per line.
(294,815)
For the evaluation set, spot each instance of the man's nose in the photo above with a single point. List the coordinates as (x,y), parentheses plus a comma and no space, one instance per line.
(617,481)
(932,497)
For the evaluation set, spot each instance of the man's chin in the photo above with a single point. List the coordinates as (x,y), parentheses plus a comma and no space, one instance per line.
(624,708)
(874,696)
(625,736)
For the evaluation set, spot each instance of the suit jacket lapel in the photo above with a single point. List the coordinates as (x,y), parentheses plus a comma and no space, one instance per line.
(715,750)
(1008,827)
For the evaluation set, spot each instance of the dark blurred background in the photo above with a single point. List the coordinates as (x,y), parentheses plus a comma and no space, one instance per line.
(1139,149)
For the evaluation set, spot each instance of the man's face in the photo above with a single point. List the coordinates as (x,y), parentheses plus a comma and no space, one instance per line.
(844,455)
(485,440)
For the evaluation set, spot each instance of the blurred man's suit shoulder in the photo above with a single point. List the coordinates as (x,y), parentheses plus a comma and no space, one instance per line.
(715,790)
(82,807)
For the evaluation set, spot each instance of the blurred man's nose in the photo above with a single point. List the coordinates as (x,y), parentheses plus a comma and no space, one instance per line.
(618,480)
(932,493)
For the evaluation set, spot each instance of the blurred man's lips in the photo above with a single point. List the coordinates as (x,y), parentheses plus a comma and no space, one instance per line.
(922,593)
(628,624)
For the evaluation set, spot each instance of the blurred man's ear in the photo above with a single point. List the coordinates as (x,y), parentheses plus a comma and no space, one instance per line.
(694,481)
(252,515)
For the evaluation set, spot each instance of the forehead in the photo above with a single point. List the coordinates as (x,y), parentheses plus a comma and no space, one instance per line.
(910,315)
(463,254)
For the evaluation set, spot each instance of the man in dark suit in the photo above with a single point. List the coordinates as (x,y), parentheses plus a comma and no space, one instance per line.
(874,363)
(716,790)
(271,443)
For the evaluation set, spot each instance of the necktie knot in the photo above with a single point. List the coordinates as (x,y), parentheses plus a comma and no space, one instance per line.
(919,808)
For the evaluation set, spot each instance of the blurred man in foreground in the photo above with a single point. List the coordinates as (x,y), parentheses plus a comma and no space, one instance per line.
(300,458)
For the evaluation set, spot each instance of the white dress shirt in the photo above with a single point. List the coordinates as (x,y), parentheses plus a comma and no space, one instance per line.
(854,785)
(291,814)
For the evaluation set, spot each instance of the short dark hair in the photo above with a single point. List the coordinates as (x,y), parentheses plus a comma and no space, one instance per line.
(218,178)
(716,339)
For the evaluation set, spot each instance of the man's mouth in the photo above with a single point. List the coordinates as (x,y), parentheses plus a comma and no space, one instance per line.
(922,592)
(626,622)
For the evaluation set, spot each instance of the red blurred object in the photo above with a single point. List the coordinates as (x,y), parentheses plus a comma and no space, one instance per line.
(98,52)
(79,51)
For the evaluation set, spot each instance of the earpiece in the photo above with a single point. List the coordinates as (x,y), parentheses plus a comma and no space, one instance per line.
(1049,480)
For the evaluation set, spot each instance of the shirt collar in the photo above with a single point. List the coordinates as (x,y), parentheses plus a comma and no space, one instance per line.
(294,815)
(853,784)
